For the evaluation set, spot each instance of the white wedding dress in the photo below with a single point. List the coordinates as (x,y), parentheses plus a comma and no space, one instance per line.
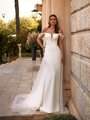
(47,91)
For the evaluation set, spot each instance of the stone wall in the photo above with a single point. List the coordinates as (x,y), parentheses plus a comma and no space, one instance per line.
(80,57)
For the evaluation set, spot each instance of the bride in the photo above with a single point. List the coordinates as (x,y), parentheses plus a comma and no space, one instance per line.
(47,92)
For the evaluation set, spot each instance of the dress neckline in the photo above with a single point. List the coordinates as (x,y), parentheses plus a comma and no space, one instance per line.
(51,34)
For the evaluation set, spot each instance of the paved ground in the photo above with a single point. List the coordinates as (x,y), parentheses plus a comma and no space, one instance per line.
(15,78)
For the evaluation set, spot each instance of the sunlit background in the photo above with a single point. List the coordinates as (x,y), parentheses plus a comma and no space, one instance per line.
(7,8)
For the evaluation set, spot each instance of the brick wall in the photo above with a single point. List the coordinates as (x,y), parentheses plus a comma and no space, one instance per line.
(80,57)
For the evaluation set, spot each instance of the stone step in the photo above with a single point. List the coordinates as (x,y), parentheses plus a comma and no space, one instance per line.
(37,116)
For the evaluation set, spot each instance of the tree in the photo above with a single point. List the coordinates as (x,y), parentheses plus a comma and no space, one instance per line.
(2,36)
(39,27)
(2,25)
(11,27)
(0,48)
(8,45)
(17,17)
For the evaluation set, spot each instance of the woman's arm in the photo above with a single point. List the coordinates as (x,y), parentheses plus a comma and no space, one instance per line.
(39,40)
(40,36)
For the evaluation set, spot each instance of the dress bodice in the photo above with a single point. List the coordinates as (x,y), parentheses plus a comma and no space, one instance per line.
(50,39)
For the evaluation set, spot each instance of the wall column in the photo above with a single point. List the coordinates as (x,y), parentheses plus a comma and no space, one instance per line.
(43,14)
(48,10)
(58,8)
(62,9)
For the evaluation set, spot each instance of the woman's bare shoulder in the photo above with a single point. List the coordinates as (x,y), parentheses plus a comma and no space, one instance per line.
(42,32)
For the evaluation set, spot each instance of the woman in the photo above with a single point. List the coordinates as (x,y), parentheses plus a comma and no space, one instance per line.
(46,94)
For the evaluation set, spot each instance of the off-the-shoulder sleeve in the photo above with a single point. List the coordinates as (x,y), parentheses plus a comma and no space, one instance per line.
(61,35)
(41,35)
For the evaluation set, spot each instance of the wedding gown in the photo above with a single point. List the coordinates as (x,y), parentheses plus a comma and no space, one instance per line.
(47,91)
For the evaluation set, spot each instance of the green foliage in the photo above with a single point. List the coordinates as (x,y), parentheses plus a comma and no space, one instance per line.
(39,27)
(2,26)
(11,48)
(8,45)
(60,117)
(31,40)
(26,54)
(28,24)
(11,27)
(3,41)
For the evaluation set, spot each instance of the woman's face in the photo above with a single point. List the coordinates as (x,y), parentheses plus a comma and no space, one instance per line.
(52,20)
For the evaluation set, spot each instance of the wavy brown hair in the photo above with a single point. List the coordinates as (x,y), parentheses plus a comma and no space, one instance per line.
(56,29)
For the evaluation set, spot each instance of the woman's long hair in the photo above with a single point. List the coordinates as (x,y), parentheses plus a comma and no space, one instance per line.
(56,29)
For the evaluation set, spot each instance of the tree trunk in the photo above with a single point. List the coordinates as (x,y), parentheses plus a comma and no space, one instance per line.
(33,49)
(17,17)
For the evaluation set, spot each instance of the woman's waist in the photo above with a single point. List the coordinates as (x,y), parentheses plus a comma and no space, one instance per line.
(52,47)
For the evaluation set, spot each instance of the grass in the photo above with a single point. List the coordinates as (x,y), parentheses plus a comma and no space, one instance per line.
(26,54)
(29,54)
(60,117)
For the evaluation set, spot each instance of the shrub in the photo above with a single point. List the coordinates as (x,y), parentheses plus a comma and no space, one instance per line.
(60,117)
